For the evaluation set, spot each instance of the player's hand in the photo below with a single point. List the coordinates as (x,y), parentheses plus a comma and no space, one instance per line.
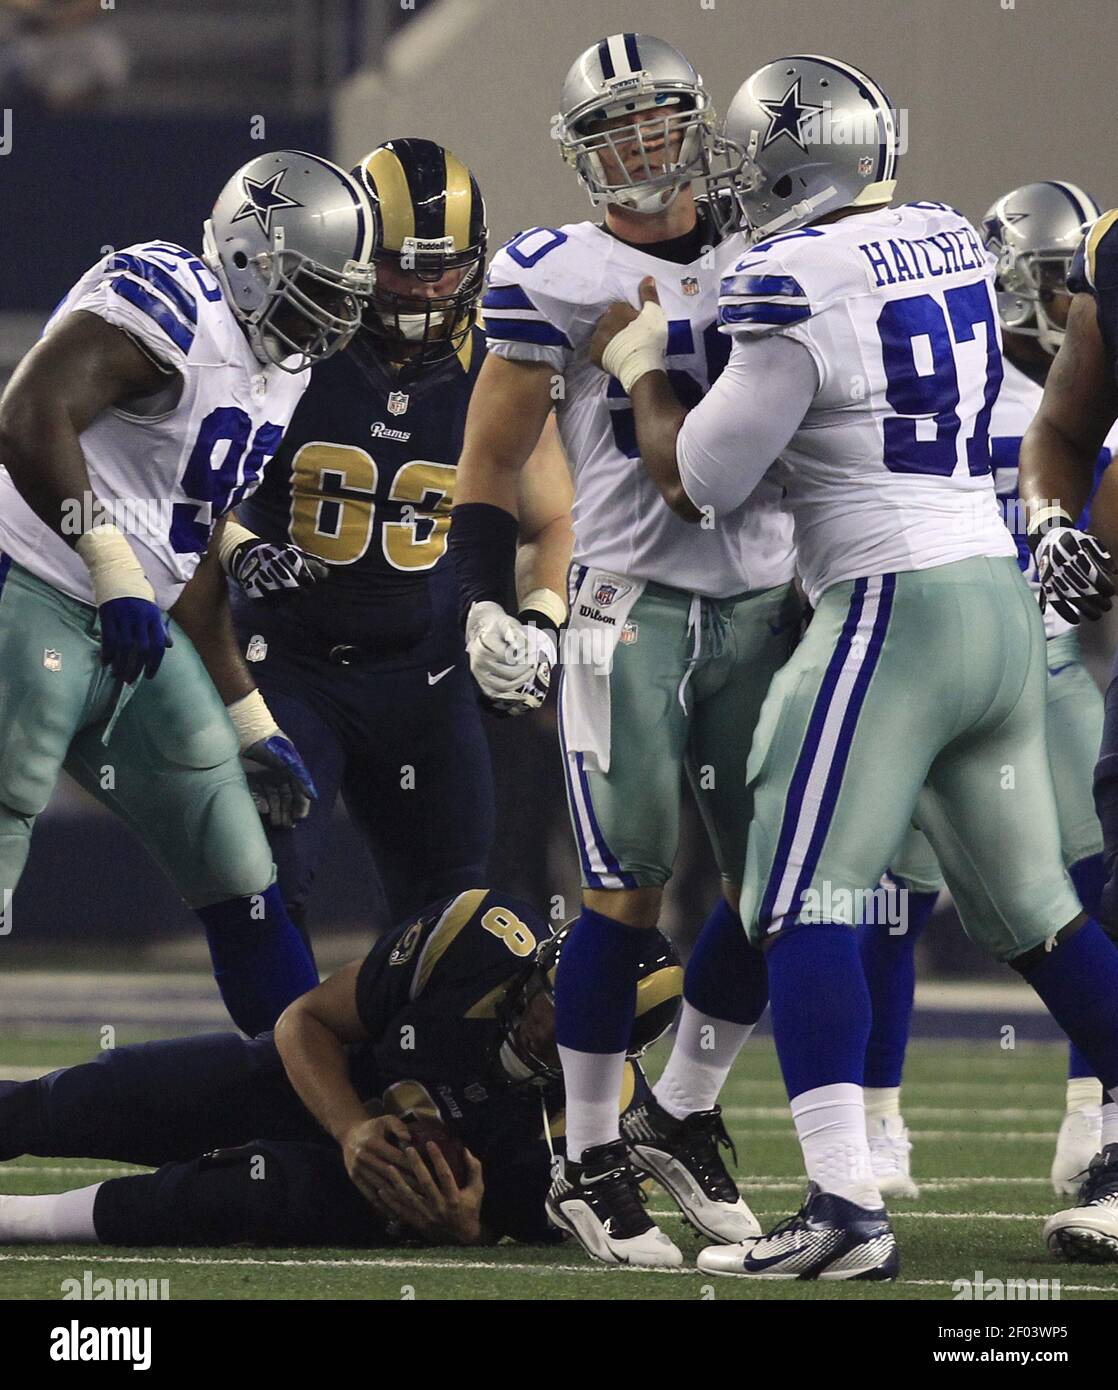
(434,1206)
(627,342)
(370,1153)
(510,660)
(134,636)
(1075,573)
(266,571)
(280,784)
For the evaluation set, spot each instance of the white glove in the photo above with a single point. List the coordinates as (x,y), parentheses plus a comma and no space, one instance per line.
(1075,573)
(510,660)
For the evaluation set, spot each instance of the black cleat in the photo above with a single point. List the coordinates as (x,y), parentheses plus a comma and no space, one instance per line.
(685,1157)
(599,1202)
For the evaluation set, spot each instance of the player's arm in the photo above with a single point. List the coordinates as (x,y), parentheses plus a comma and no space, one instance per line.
(80,369)
(510,659)
(708,460)
(1057,466)
(280,783)
(544,497)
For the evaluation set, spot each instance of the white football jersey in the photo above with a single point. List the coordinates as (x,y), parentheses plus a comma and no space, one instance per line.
(163,478)
(546,291)
(1018,401)
(889,468)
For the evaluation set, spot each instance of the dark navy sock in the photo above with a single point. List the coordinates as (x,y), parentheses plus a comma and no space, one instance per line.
(1088,875)
(596,983)
(1106,799)
(820,1006)
(1078,980)
(726,977)
(890,969)
(260,961)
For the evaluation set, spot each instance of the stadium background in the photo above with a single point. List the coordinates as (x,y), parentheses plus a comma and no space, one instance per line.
(124,126)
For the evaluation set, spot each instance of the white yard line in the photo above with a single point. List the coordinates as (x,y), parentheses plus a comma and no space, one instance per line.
(416,1266)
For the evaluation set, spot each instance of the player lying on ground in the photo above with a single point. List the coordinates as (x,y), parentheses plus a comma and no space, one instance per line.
(866,360)
(1076,415)
(367,670)
(675,632)
(271,1140)
(1034,232)
(158,392)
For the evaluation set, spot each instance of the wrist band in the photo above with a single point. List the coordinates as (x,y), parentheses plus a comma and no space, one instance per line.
(113,568)
(1043,520)
(639,348)
(233,534)
(252,719)
(548,604)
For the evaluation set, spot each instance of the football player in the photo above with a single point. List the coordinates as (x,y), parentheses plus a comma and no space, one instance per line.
(675,632)
(366,670)
(160,389)
(450,1015)
(1076,415)
(866,359)
(1034,232)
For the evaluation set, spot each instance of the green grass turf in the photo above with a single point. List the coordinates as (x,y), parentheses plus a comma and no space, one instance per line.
(978,1114)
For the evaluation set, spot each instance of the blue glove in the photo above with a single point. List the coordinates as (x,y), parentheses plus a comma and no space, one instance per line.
(134,636)
(281,786)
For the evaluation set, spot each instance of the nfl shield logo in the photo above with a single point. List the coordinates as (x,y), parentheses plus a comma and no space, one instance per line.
(397,402)
(605,594)
(52,660)
(689,285)
(865,166)
(257,648)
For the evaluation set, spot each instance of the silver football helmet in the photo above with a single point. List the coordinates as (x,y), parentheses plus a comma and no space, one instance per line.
(818,135)
(1034,232)
(291,241)
(639,165)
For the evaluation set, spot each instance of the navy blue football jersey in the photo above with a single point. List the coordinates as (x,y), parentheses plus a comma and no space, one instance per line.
(429,994)
(1094,271)
(364,479)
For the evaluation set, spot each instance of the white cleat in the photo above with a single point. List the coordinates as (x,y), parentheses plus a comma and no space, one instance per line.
(1088,1232)
(890,1148)
(1079,1140)
(598,1201)
(684,1156)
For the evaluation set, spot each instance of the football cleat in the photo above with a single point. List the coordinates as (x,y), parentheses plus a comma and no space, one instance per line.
(599,1202)
(1079,1140)
(889,1156)
(1088,1232)
(828,1238)
(683,1156)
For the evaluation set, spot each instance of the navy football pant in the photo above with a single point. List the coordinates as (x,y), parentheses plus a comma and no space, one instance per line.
(410,760)
(155,1102)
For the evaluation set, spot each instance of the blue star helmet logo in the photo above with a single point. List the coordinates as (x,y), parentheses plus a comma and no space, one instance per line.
(787,116)
(263,199)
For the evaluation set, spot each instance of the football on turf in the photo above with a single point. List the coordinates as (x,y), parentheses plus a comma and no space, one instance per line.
(424,1130)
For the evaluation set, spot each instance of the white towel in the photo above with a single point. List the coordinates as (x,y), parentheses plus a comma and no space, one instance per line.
(600,606)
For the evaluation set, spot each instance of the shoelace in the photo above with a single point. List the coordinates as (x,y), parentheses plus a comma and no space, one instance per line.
(701,1138)
(620,1189)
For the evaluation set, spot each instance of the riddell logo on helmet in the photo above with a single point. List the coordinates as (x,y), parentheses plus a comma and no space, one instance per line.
(419,246)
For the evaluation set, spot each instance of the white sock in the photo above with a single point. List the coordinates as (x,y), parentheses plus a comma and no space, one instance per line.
(1109,1123)
(1083,1092)
(705,1049)
(592,1082)
(831,1125)
(882,1102)
(56,1217)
